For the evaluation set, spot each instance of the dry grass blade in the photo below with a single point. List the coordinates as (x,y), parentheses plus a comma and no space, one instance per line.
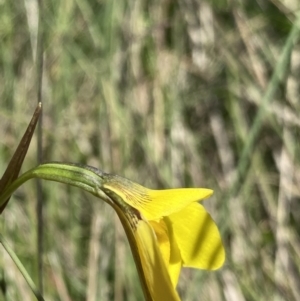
(15,164)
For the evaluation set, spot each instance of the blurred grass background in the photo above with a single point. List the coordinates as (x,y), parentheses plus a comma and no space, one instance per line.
(165,93)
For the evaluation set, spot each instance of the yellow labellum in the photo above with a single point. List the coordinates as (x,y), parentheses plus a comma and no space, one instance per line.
(197,237)
(169,249)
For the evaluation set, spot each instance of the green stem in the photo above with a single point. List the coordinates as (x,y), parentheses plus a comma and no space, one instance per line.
(39,206)
(84,177)
(20,266)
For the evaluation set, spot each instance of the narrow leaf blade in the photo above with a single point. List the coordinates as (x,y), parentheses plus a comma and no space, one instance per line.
(14,166)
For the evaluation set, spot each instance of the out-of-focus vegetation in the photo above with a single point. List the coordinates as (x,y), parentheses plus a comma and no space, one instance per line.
(168,94)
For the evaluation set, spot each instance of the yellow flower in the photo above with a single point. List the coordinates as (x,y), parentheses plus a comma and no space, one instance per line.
(167,229)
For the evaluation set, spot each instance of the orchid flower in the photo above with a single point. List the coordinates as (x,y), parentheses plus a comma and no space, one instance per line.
(166,229)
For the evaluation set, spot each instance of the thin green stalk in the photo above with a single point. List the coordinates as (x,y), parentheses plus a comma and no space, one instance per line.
(278,76)
(22,269)
(39,206)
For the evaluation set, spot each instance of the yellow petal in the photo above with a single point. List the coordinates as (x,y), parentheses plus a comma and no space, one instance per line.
(198,238)
(166,202)
(169,250)
(153,204)
(161,232)
(155,279)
